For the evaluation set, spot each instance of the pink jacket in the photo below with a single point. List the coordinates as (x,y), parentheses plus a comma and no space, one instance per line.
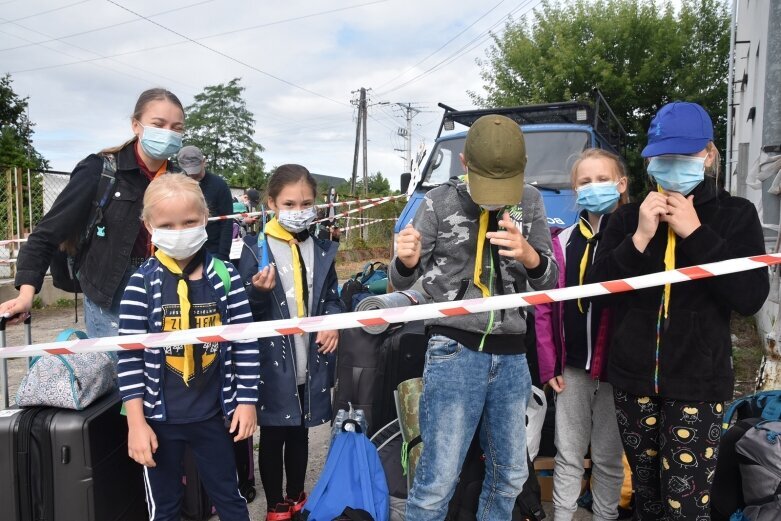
(549,323)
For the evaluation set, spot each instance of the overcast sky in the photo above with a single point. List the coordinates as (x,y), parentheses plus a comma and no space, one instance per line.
(84,63)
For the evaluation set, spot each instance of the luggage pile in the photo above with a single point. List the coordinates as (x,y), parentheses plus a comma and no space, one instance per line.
(381,374)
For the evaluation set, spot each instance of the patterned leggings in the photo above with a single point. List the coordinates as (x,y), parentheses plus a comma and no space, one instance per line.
(672,448)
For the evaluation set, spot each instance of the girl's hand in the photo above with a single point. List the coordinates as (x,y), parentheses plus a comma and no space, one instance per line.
(652,210)
(141,443)
(266,279)
(681,215)
(18,307)
(557,383)
(513,243)
(327,341)
(244,422)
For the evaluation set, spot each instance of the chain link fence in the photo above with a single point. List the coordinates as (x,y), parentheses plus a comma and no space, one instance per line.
(25,196)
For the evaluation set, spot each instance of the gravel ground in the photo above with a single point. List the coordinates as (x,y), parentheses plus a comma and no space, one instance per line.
(48,323)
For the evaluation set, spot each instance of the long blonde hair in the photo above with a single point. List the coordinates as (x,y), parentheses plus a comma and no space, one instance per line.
(169,186)
(598,153)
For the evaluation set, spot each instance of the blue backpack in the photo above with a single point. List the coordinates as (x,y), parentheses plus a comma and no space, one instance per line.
(765,405)
(352,477)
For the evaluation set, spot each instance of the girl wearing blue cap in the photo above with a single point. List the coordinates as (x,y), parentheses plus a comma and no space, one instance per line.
(670,356)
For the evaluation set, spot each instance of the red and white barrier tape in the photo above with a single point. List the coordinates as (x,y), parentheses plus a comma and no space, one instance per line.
(371,202)
(11,241)
(362,208)
(360,225)
(391,315)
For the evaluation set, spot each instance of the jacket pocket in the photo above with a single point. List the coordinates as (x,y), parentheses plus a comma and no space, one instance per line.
(634,344)
(684,352)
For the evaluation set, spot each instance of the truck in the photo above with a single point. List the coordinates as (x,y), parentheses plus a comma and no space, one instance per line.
(555,135)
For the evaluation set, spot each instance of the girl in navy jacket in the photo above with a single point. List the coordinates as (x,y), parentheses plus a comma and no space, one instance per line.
(296,370)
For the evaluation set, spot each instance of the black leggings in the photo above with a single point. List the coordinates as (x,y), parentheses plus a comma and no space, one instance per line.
(671,447)
(288,448)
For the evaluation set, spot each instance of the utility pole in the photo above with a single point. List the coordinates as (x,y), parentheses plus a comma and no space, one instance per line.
(365,161)
(360,132)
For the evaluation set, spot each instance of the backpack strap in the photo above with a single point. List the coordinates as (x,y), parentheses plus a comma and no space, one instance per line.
(102,196)
(222,272)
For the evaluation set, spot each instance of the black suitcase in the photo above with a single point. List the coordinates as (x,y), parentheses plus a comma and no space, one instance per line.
(196,505)
(65,465)
(356,372)
(402,357)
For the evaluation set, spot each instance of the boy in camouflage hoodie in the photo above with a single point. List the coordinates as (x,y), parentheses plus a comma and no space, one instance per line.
(481,236)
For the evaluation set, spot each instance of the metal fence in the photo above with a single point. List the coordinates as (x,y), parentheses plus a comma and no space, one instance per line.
(25,196)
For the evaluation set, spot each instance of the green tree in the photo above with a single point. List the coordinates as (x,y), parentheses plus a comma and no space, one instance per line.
(16,130)
(640,54)
(219,123)
(378,185)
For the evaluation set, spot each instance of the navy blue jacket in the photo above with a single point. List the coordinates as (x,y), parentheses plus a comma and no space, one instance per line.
(278,404)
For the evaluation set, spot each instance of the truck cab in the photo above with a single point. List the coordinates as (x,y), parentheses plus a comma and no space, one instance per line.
(555,135)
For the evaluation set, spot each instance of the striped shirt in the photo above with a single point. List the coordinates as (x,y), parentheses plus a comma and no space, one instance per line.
(141,371)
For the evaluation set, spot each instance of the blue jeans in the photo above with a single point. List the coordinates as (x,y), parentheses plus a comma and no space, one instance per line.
(102,322)
(461,386)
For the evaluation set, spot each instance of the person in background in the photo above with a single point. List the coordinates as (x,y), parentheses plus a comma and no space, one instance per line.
(298,279)
(572,341)
(118,243)
(203,395)
(671,355)
(251,199)
(218,197)
(484,235)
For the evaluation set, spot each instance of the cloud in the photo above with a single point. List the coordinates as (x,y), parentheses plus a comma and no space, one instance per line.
(82,88)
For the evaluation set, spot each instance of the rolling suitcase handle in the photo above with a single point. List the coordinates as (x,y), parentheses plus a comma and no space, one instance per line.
(28,336)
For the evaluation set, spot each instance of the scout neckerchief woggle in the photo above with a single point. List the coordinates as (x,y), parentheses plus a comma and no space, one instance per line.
(274,229)
(188,366)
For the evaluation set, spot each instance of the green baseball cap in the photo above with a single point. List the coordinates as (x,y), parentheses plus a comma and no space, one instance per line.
(495,155)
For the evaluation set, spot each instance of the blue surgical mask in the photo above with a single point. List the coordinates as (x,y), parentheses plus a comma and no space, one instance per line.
(598,198)
(160,143)
(677,173)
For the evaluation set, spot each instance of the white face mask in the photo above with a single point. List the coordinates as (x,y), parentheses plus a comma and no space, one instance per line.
(179,244)
(296,221)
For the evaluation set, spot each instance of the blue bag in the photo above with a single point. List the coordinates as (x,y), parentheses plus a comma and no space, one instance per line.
(352,477)
(765,405)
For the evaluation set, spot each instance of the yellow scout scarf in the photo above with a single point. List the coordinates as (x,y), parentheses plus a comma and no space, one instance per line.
(188,367)
(274,229)
(482,230)
(588,234)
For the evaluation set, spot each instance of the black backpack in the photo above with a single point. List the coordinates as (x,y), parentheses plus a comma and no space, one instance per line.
(64,264)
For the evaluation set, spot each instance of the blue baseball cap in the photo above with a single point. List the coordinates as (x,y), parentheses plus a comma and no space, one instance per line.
(679,128)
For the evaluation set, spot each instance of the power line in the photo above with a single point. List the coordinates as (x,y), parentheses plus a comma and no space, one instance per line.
(103,28)
(227,56)
(480,38)
(209,36)
(102,66)
(44,12)
(465,29)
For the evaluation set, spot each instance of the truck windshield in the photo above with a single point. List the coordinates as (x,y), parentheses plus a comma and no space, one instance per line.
(551,155)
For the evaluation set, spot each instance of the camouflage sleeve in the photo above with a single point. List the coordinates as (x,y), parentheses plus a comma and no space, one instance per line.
(425,222)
